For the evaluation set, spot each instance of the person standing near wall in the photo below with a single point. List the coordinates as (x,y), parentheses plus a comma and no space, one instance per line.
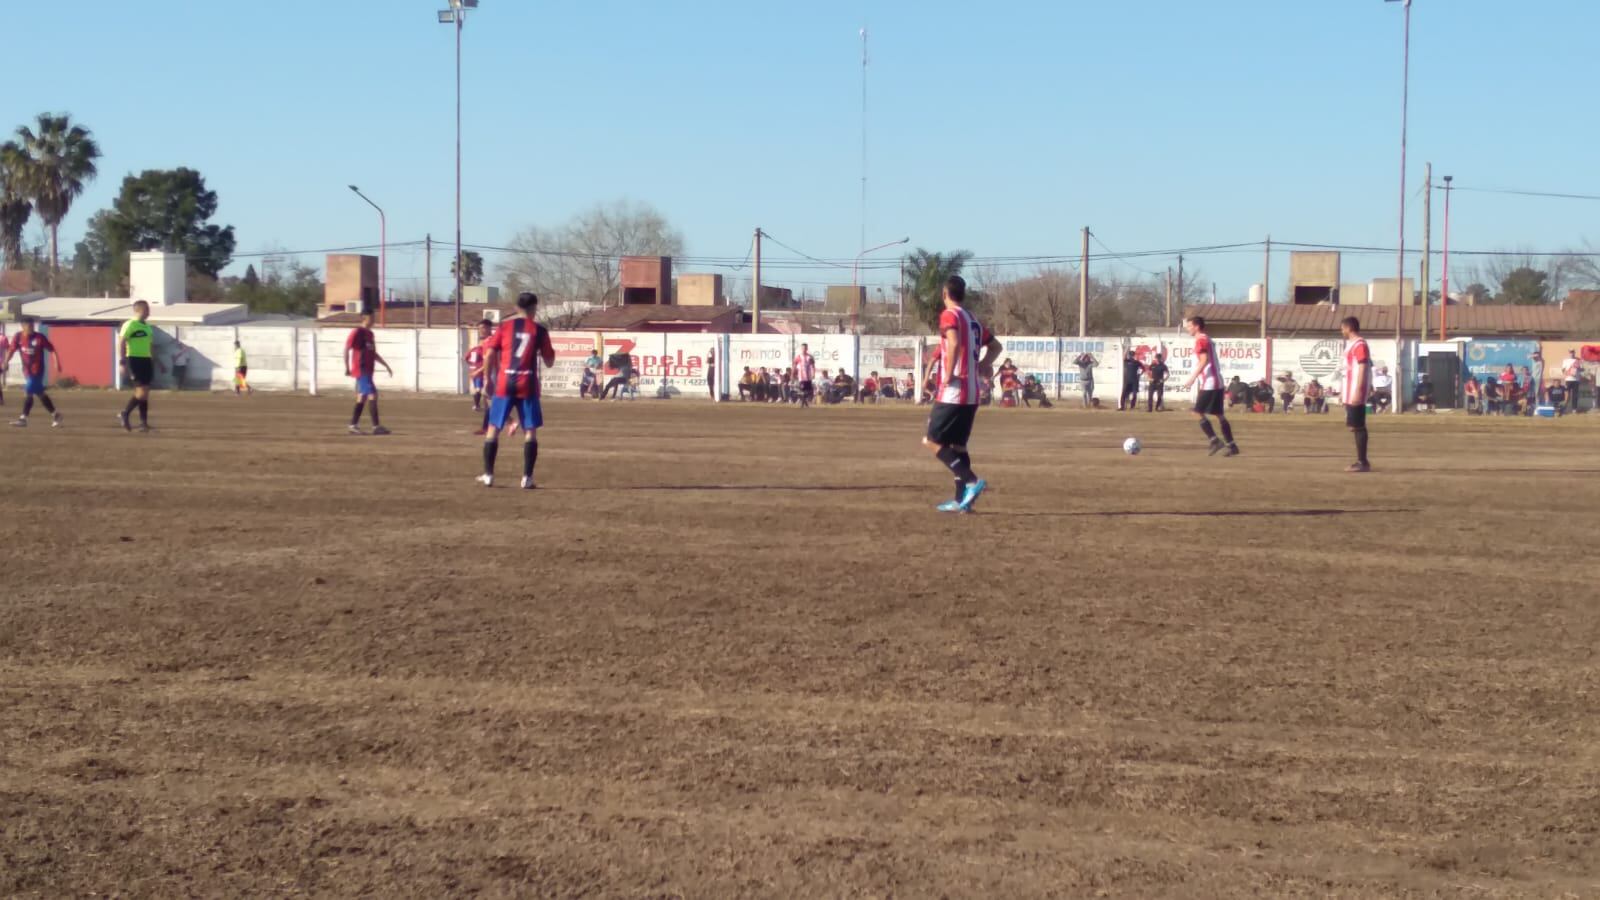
(711,373)
(1536,392)
(1572,375)
(241,371)
(1131,370)
(180,365)
(1086,364)
(1156,400)
(135,350)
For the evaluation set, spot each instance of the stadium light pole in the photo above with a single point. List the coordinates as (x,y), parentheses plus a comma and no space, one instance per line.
(1399,403)
(457,15)
(383,257)
(855,277)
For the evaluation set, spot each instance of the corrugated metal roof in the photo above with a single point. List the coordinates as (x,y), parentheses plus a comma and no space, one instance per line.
(627,317)
(1466,320)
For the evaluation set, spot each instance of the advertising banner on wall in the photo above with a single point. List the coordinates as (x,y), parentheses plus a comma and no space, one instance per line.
(894,357)
(1490,358)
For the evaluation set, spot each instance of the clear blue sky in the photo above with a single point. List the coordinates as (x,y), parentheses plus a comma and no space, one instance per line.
(1001,127)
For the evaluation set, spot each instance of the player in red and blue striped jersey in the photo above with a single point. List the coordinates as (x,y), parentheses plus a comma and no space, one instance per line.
(33,347)
(513,356)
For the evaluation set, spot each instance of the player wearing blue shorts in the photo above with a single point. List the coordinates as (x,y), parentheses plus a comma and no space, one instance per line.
(360,358)
(33,347)
(513,355)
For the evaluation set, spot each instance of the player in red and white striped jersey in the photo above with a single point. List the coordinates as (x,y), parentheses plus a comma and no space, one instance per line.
(1209,400)
(1357,388)
(967,352)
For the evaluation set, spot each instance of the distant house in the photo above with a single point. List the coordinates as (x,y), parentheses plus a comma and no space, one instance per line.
(1243,320)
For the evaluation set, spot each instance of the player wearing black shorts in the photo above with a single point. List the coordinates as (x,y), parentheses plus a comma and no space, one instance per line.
(1357,389)
(135,347)
(967,352)
(1209,401)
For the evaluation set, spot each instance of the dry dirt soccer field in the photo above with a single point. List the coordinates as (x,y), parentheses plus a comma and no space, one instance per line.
(732,651)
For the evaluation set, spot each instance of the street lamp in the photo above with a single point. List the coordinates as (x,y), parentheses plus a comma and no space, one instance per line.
(1444,292)
(855,276)
(1400,275)
(383,257)
(457,15)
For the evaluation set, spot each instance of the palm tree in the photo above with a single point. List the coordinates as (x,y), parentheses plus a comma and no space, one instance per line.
(15,207)
(61,159)
(471,268)
(926,274)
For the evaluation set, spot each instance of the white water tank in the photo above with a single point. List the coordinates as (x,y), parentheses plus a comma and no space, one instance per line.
(158,278)
(1258,292)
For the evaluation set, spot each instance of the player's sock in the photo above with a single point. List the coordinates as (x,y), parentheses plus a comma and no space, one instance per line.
(958,463)
(486,417)
(1211,433)
(144,411)
(133,404)
(1361,446)
(27,405)
(530,456)
(49,407)
(965,461)
(355,417)
(373,408)
(491,448)
(1227,432)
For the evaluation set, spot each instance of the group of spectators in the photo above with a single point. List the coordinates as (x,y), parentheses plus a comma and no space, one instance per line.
(1283,393)
(1513,393)
(763,385)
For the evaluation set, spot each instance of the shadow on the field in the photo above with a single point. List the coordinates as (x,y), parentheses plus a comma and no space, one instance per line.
(755,488)
(1199,514)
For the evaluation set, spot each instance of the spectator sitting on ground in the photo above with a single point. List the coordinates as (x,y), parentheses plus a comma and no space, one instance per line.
(1287,388)
(1474,396)
(1382,389)
(887,389)
(1491,396)
(824,388)
(869,389)
(589,386)
(1238,393)
(1033,391)
(1316,397)
(1424,393)
(1010,383)
(1262,395)
(844,386)
(1530,392)
(747,385)
(1557,397)
(785,386)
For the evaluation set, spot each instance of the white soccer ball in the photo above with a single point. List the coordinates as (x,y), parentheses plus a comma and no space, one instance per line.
(1131,446)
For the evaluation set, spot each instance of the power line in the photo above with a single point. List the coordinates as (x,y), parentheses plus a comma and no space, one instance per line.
(1520,193)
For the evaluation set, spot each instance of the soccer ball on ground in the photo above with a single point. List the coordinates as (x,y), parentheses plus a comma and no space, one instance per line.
(1131,446)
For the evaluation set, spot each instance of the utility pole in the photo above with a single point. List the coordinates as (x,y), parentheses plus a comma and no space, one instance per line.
(1266,301)
(1213,293)
(1083,288)
(1401,300)
(1427,243)
(1166,317)
(902,294)
(755,293)
(427,279)
(1180,279)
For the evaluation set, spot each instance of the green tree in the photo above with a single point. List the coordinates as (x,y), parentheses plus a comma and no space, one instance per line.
(296,293)
(60,161)
(170,209)
(1524,286)
(471,268)
(15,205)
(926,273)
(251,279)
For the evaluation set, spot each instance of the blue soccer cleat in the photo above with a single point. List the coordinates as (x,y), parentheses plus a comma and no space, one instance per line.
(974,491)
(951,506)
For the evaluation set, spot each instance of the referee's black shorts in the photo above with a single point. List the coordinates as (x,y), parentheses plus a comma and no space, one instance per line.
(141,371)
(950,424)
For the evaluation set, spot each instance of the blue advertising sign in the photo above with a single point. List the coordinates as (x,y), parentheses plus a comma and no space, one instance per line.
(1490,358)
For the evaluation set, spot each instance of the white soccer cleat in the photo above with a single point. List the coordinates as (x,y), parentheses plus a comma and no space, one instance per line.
(527,484)
(55,420)
(21,422)
(486,480)
(356,429)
